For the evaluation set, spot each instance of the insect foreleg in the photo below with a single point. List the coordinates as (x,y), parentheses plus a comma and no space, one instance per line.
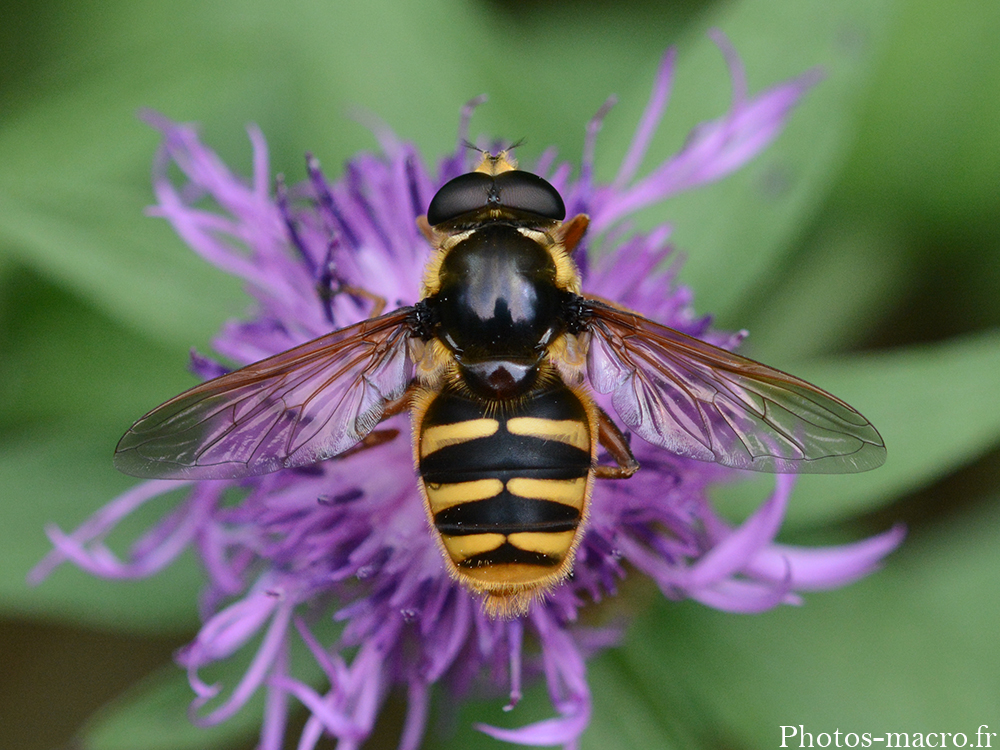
(378,303)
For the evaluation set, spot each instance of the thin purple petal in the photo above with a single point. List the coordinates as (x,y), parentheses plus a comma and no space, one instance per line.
(733,553)
(650,120)
(827,567)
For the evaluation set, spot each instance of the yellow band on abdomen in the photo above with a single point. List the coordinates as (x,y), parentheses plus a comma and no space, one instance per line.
(463,547)
(440,436)
(565,491)
(569,431)
(443,496)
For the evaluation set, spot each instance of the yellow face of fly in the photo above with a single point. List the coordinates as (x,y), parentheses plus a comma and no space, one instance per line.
(496,164)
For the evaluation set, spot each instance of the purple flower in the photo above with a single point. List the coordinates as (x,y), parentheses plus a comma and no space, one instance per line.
(347,540)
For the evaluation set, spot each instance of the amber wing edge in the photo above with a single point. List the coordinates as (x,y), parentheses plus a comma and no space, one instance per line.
(295,408)
(698,400)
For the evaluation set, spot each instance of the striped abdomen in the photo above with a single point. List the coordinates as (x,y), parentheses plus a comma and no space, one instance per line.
(507,491)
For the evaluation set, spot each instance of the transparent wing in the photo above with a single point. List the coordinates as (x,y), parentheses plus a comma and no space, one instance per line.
(706,403)
(293,409)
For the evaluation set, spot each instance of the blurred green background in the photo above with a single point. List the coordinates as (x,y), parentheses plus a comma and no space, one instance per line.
(861,251)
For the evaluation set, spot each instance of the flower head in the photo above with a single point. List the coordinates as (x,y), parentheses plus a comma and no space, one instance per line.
(347,540)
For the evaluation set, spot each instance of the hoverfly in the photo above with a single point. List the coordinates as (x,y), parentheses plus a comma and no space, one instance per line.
(492,363)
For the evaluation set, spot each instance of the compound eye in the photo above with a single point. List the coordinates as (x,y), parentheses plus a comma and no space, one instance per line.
(522,192)
(464,194)
(530,194)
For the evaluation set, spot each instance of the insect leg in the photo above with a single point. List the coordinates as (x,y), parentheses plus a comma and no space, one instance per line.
(612,440)
(378,303)
(376,438)
(571,232)
(373,439)
(400,404)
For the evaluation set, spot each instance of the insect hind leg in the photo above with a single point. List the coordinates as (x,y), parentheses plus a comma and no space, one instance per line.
(373,439)
(616,444)
(376,438)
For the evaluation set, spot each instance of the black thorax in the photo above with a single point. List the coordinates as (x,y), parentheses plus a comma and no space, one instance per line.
(498,308)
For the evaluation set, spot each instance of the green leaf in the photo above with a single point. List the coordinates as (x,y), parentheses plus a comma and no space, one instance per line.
(62,475)
(70,212)
(97,242)
(57,439)
(935,406)
(625,715)
(735,234)
(911,648)
(829,297)
(954,179)
(154,714)
(66,360)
